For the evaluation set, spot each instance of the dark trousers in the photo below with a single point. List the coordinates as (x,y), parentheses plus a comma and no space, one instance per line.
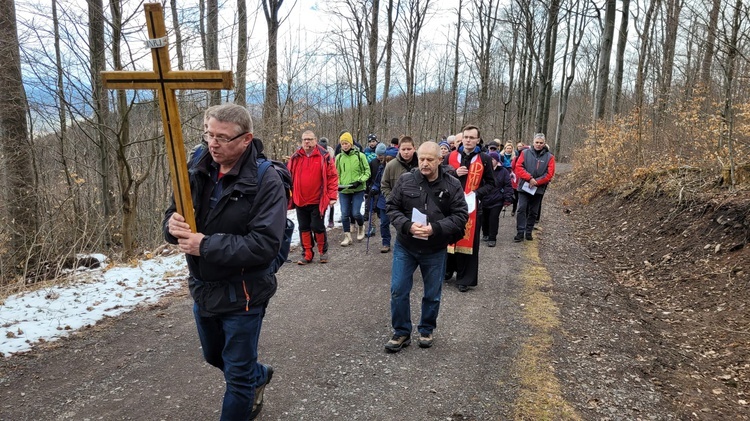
(515,201)
(528,211)
(491,222)
(310,219)
(466,266)
(230,343)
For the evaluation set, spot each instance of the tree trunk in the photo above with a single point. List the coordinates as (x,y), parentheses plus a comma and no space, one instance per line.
(20,223)
(271,117)
(674,7)
(547,68)
(212,46)
(731,62)
(177,34)
(97,51)
(708,56)
(573,41)
(392,18)
(622,41)
(643,56)
(605,52)
(456,63)
(373,71)
(240,89)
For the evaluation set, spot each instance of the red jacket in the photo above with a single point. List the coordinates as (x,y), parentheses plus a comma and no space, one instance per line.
(314,178)
(538,165)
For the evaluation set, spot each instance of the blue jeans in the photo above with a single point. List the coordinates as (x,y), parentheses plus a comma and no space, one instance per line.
(432,266)
(351,205)
(230,343)
(385,227)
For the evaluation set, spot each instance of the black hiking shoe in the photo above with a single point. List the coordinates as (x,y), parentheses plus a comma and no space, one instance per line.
(529,237)
(518,238)
(491,243)
(397,342)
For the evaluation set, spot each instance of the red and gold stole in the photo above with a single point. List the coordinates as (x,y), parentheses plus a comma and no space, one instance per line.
(474,178)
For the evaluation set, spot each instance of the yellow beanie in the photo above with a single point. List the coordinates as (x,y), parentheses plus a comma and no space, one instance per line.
(346,137)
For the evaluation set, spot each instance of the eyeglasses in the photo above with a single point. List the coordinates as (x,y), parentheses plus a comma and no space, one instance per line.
(207,137)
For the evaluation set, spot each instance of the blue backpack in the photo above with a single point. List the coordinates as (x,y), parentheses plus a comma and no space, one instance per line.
(286,178)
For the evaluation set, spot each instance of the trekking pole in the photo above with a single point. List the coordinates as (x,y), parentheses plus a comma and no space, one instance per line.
(369,226)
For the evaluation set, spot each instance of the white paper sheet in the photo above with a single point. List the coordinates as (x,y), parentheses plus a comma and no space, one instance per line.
(418,217)
(471,200)
(528,189)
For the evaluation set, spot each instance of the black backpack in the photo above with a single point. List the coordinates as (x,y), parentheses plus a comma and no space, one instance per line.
(286,178)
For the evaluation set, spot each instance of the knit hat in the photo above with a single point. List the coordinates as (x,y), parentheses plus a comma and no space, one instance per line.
(391,152)
(494,155)
(371,137)
(346,137)
(493,143)
(445,144)
(323,142)
(380,149)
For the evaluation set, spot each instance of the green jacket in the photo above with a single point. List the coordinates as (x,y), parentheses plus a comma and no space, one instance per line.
(352,167)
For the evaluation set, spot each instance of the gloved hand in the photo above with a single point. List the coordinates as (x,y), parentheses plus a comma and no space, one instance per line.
(355,184)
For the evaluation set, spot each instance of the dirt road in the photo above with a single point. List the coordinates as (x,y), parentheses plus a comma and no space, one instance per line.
(543,336)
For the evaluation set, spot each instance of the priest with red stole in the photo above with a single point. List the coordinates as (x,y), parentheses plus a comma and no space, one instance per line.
(474,170)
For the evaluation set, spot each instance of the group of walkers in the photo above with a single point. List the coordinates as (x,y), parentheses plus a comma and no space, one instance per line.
(442,199)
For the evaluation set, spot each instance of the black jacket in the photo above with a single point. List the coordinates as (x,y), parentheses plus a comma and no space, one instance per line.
(448,216)
(244,231)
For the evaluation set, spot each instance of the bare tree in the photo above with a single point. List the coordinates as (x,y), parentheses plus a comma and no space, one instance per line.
(622,41)
(393,12)
(412,27)
(20,221)
(674,7)
(605,52)
(372,85)
(544,96)
(481,36)
(643,56)
(212,45)
(729,75)
(710,45)
(456,63)
(240,88)
(101,102)
(177,35)
(573,39)
(271,116)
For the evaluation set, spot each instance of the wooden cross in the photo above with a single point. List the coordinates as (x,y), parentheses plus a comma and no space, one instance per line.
(165,81)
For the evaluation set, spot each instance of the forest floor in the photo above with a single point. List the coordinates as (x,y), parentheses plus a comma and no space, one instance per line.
(631,306)
(682,262)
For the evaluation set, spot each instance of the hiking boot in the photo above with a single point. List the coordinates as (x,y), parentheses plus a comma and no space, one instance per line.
(258,403)
(397,342)
(303,261)
(518,238)
(529,237)
(425,341)
(360,232)
(485,238)
(347,239)
(324,258)
(330,224)
(463,288)
(385,249)
(491,243)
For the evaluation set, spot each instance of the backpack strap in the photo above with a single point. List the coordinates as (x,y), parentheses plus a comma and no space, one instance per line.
(262,167)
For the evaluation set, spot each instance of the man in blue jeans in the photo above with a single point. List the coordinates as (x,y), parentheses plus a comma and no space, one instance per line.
(240,227)
(428,209)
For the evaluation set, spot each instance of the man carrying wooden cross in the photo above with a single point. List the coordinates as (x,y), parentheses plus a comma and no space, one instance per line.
(240,221)
(229,224)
